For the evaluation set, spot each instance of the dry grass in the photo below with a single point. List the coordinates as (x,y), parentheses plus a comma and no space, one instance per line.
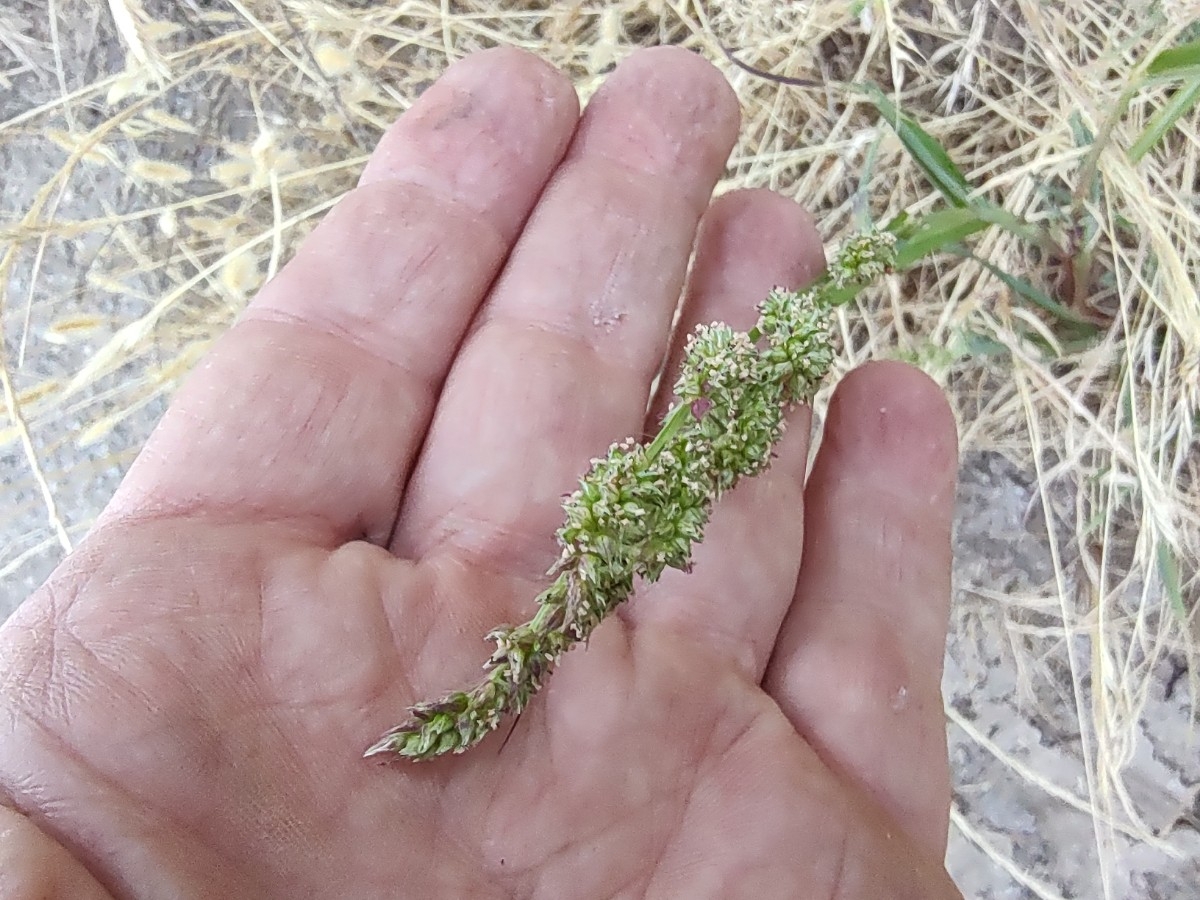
(213,135)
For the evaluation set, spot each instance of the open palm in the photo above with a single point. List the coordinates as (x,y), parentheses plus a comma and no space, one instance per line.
(366,475)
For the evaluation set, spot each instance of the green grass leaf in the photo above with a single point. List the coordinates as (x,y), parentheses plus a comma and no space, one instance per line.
(934,232)
(976,346)
(1164,120)
(945,175)
(1176,62)
(1027,291)
(931,156)
(1080,133)
(1168,571)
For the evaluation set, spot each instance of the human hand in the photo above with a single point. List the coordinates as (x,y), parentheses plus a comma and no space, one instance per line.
(365,476)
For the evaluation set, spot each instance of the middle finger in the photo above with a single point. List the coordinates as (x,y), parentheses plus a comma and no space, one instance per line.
(559,362)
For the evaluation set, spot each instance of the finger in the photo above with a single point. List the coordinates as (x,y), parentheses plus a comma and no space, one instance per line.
(314,404)
(745,570)
(561,361)
(857,667)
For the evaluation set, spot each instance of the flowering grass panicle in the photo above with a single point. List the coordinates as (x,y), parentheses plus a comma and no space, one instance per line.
(641,508)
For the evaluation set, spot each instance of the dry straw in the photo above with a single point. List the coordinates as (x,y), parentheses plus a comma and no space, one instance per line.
(156,175)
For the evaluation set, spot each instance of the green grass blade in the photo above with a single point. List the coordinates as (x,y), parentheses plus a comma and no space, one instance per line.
(1038,298)
(862,194)
(944,174)
(1168,571)
(934,232)
(1164,120)
(976,346)
(1000,217)
(933,159)
(1175,62)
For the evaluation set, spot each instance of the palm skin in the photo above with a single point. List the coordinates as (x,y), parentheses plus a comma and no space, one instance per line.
(365,477)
